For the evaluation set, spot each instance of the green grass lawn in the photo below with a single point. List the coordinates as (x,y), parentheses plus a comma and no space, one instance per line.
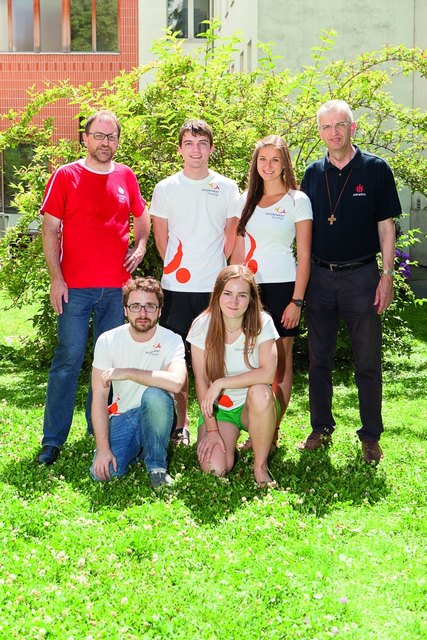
(337,550)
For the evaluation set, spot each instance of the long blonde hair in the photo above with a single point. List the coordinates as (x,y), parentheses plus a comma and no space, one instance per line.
(251,325)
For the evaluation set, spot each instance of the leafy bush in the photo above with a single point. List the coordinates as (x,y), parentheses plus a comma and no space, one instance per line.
(241,108)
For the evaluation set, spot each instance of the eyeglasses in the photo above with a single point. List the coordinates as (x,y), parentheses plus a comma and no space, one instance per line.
(340,126)
(112,137)
(150,307)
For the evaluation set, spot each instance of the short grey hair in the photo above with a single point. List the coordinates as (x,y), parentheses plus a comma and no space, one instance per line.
(334,105)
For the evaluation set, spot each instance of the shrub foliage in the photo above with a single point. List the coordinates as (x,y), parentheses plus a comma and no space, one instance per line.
(241,108)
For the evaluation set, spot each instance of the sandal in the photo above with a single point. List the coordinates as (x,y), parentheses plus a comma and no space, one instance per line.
(181,436)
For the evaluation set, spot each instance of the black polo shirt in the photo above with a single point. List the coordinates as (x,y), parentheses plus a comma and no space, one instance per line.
(369,196)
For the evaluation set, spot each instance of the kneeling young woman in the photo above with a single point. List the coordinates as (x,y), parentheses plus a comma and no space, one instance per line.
(234,357)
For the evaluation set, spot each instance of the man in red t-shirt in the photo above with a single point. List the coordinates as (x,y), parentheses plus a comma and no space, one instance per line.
(86,209)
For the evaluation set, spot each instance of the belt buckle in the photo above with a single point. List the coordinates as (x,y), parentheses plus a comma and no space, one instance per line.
(332,266)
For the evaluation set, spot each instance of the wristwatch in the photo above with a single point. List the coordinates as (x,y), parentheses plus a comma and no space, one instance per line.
(298,302)
(388,272)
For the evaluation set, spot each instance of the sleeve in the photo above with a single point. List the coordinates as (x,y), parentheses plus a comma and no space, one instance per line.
(198,331)
(54,198)
(159,206)
(233,209)
(390,206)
(102,357)
(305,182)
(137,202)
(303,208)
(176,351)
(268,331)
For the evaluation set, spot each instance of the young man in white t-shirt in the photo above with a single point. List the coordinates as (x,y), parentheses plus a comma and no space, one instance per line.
(145,364)
(195,215)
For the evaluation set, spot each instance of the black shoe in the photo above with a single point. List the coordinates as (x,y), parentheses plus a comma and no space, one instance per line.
(48,454)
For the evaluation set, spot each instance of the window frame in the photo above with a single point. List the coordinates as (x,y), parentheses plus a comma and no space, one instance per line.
(190,20)
(65,29)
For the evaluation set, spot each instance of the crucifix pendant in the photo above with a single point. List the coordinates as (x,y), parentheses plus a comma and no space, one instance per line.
(331,219)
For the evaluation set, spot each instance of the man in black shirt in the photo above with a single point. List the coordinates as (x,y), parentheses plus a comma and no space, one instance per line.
(354,200)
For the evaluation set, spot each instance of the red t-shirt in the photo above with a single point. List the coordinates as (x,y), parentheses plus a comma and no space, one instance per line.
(94,209)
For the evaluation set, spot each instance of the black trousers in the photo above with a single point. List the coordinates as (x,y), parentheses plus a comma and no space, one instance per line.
(348,295)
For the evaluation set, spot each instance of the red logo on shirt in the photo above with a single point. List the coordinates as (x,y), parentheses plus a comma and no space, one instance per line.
(249,261)
(157,346)
(359,188)
(225,401)
(181,274)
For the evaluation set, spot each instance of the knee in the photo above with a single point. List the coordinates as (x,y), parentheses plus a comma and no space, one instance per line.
(218,468)
(154,398)
(260,398)
(157,410)
(219,464)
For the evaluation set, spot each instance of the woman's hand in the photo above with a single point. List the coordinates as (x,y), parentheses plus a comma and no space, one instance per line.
(291,316)
(206,406)
(207,443)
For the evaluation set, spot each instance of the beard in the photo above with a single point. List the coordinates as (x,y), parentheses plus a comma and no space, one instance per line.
(142,325)
(103,155)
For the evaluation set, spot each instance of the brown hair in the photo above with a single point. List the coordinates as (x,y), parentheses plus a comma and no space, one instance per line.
(196,128)
(252,322)
(256,183)
(149,285)
(102,115)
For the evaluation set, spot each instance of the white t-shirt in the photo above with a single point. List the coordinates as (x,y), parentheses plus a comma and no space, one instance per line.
(270,233)
(117,348)
(234,355)
(197,212)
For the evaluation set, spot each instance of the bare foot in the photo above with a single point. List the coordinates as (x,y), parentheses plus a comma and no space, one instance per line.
(247,446)
(264,479)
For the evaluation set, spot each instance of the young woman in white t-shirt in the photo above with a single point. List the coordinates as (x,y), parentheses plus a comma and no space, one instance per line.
(234,358)
(274,214)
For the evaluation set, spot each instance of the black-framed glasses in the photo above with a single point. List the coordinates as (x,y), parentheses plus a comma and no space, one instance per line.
(339,125)
(97,135)
(149,307)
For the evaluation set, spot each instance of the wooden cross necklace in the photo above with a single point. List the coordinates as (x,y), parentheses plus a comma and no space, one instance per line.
(332,217)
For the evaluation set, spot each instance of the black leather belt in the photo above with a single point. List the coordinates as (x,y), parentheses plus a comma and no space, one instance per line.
(343,266)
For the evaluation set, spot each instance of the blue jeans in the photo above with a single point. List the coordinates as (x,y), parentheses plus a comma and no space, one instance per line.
(106,305)
(142,433)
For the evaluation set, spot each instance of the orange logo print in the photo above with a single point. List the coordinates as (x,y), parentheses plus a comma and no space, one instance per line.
(249,262)
(214,186)
(182,274)
(225,401)
(113,409)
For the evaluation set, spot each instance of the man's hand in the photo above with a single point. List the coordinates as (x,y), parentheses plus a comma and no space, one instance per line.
(384,294)
(109,375)
(101,466)
(134,257)
(58,294)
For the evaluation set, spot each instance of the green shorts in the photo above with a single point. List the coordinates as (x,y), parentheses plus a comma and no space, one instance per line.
(231,415)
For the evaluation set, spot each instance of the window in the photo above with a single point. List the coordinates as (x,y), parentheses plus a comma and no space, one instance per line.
(10,160)
(186,17)
(58,25)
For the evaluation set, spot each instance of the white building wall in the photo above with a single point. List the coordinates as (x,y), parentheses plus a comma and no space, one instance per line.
(152,18)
